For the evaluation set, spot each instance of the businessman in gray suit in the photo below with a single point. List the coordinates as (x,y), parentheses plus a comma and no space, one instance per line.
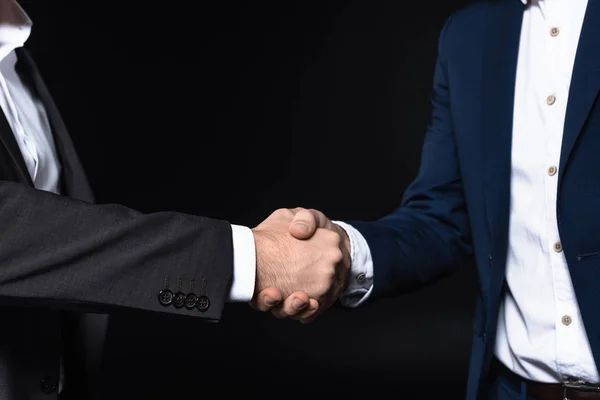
(66,262)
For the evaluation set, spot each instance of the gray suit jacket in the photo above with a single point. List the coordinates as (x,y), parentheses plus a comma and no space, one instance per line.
(65,263)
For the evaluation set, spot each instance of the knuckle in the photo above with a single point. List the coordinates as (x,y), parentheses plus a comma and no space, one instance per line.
(337,255)
(283,213)
(317,215)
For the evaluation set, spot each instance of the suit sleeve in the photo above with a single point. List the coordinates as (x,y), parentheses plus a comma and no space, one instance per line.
(428,236)
(58,252)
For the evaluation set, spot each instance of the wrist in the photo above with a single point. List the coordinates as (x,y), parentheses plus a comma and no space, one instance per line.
(261,280)
(258,254)
(346,246)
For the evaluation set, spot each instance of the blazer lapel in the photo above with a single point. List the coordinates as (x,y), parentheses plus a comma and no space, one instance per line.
(74,180)
(7,137)
(585,82)
(500,67)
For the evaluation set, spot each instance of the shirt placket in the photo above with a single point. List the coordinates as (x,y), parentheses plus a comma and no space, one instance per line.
(566,317)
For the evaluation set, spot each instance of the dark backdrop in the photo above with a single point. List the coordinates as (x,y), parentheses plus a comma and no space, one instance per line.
(231,109)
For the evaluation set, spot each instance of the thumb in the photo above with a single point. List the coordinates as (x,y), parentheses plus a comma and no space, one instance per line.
(306,222)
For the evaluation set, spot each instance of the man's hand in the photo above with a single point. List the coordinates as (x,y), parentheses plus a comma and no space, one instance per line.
(307,221)
(313,265)
(306,225)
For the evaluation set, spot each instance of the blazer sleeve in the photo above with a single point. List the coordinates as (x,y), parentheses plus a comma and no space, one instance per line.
(428,236)
(62,253)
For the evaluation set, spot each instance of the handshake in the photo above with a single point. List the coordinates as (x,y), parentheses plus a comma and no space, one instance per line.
(302,264)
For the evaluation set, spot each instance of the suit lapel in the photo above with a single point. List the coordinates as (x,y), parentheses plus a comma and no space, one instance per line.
(500,66)
(585,82)
(7,137)
(74,181)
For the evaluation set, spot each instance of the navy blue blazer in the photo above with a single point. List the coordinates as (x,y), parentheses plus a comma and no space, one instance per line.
(458,206)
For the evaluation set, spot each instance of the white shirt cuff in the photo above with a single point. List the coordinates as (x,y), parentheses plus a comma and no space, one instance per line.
(244,264)
(361,269)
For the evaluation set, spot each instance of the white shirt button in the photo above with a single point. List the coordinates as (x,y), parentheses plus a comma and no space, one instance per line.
(557,247)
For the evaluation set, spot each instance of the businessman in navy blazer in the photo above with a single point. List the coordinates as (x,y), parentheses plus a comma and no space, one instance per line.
(510,175)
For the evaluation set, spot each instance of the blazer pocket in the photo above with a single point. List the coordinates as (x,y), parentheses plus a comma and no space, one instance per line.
(586,256)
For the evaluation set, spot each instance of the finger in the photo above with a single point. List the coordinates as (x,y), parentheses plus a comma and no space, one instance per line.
(294,304)
(306,222)
(313,307)
(267,299)
(310,319)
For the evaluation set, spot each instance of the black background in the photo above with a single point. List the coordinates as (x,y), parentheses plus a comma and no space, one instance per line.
(231,109)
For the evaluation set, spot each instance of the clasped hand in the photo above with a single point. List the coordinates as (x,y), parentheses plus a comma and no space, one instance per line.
(302,257)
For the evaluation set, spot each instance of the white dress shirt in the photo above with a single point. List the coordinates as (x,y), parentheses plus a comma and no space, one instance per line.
(540,333)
